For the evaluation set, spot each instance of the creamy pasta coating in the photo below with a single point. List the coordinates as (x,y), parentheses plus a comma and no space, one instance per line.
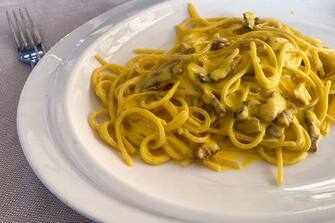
(229,87)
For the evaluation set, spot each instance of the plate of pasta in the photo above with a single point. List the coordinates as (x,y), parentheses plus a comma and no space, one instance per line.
(179,111)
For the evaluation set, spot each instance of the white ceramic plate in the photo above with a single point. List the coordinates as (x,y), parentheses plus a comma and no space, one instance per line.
(81,171)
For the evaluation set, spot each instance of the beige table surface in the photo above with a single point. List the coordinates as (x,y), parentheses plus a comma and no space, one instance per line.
(23,198)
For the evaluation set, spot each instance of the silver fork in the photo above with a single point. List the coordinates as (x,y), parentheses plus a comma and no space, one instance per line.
(28,40)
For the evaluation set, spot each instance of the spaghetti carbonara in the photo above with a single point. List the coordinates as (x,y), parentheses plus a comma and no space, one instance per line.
(228,86)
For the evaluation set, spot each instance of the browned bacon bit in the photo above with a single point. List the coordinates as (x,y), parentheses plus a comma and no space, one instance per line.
(249,20)
(242,113)
(157,80)
(314,147)
(219,108)
(285,118)
(188,51)
(204,78)
(207,150)
(274,131)
(313,129)
(186,48)
(249,126)
(200,63)
(218,44)
(210,98)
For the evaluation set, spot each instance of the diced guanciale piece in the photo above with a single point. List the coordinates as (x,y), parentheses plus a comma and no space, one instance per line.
(249,19)
(242,113)
(198,72)
(204,78)
(219,108)
(314,144)
(157,80)
(210,98)
(207,150)
(186,48)
(285,118)
(274,105)
(313,126)
(274,131)
(219,43)
(249,126)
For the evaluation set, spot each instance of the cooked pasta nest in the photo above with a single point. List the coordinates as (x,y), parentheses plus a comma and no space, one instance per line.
(229,88)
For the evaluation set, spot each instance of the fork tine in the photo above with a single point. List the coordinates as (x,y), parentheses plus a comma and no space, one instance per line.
(36,33)
(26,30)
(19,26)
(37,54)
(13,30)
